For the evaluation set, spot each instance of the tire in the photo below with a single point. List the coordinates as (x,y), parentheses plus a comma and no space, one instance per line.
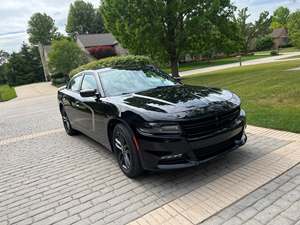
(126,152)
(67,125)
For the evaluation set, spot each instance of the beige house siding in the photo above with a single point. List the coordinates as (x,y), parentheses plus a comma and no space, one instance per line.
(120,50)
(280,37)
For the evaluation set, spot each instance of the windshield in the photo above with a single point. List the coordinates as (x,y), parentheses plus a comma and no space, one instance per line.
(123,81)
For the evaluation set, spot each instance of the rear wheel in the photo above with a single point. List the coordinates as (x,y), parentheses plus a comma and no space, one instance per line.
(67,125)
(126,152)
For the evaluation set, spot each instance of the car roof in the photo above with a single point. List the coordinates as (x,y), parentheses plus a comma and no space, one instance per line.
(103,69)
(99,70)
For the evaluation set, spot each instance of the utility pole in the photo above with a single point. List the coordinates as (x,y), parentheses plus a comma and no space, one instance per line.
(44,63)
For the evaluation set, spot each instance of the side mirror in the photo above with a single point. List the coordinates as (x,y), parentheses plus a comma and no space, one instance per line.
(178,79)
(88,93)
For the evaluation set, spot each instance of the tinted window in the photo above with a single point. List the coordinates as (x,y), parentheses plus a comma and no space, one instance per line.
(119,81)
(89,82)
(75,83)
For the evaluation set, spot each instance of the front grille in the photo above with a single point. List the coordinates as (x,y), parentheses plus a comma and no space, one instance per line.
(172,161)
(211,151)
(194,129)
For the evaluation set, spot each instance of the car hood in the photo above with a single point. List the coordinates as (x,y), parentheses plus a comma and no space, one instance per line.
(180,101)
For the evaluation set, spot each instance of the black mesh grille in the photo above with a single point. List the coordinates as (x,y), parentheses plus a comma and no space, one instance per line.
(203,127)
(211,151)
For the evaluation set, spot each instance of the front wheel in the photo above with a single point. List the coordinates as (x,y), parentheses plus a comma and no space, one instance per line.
(67,125)
(126,152)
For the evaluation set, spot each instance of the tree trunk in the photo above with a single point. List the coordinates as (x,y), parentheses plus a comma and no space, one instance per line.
(174,66)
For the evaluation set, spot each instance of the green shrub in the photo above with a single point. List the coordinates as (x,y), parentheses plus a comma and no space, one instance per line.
(264,43)
(59,79)
(117,61)
(7,93)
(65,55)
(274,53)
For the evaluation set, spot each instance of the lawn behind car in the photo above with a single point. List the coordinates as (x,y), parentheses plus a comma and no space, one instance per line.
(216,62)
(269,92)
(7,93)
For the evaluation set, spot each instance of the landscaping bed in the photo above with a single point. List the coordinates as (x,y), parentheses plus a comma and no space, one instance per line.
(270,93)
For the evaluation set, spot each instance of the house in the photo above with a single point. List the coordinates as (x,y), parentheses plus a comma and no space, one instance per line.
(280,37)
(89,41)
(85,42)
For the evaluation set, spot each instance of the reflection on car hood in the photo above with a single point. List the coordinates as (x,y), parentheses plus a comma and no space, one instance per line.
(179,101)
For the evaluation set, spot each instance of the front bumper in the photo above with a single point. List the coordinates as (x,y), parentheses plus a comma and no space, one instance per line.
(156,152)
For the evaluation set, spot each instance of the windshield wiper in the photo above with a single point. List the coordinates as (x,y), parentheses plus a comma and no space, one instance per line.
(126,93)
(163,86)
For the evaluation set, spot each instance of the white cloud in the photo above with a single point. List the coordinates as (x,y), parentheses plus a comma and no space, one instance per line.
(257,6)
(14,15)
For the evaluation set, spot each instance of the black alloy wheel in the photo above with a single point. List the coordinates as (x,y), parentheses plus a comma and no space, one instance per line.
(126,152)
(67,125)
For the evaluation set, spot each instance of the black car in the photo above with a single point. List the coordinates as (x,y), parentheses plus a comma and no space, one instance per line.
(150,120)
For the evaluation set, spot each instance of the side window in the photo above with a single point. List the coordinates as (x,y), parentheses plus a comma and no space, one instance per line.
(89,82)
(75,83)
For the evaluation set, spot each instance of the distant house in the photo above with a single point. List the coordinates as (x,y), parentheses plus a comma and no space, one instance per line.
(280,37)
(85,42)
(89,41)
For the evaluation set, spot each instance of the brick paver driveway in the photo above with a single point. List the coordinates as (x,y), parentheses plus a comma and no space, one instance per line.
(48,177)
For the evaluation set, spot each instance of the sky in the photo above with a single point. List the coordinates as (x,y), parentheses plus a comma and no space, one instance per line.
(14,15)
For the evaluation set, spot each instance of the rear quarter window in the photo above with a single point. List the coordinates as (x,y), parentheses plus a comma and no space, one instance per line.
(75,83)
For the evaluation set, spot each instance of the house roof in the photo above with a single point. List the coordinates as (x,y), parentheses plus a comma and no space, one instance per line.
(280,32)
(92,40)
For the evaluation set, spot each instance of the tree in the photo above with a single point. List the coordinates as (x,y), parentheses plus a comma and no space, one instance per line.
(41,29)
(280,18)
(264,43)
(165,29)
(3,66)
(293,26)
(248,32)
(3,73)
(83,19)
(25,66)
(98,23)
(3,57)
(65,55)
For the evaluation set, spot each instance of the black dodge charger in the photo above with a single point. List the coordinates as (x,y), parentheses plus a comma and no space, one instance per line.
(151,121)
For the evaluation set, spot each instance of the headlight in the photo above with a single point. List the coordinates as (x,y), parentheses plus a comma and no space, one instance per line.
(235,99)
(158,128)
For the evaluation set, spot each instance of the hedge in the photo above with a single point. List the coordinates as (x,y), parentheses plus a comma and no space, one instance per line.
(116,61)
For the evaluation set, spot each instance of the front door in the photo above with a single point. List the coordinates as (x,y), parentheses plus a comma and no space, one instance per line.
(72,99)
(86,105)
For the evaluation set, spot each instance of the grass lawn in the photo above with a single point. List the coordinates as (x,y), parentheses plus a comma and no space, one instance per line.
(270,94)
(216,62)
(7,93)
(292,49)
